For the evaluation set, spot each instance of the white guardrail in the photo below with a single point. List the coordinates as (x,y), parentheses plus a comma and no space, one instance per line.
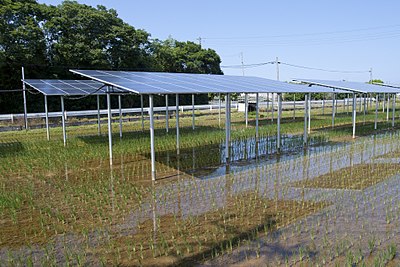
(213,106)
(85,113)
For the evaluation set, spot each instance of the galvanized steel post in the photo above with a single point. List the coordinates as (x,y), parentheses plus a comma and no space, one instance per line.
(152,149)
(177,123)
(63,121)
(46,110)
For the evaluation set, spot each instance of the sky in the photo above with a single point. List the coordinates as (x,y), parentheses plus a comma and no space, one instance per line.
(343,38)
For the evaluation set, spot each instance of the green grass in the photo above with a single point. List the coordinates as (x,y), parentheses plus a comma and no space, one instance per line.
(47,190)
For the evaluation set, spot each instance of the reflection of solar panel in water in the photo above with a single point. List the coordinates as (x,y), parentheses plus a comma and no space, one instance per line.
(69,87)
(187,83)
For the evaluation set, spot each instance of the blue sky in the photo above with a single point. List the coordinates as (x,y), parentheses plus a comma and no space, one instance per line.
(334,35)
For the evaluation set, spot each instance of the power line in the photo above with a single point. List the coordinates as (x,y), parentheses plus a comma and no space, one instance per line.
(326,70)
(301,34)
(247,65)
(293,65)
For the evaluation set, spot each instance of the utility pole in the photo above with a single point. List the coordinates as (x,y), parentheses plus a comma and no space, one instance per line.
(199,39)
(277,78)
(277,68)
(241,58)
(370,75)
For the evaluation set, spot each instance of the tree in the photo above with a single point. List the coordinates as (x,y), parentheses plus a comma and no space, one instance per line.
(375,81)
(22,42)
(50,40)
(187,57)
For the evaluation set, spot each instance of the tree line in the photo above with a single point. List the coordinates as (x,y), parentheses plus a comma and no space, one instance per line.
(49,40)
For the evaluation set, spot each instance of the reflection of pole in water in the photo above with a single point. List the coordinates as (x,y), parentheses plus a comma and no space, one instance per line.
(193,159)
(373,153)
(112,188)
(305,173)
(256,148)
(331,162)
(245,148)
(154,211)
(227,168)
(276,187)
(178,163)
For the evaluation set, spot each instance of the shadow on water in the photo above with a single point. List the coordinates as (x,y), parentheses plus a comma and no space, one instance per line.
(209,161)
(362,129)
(159,133)
(218,247)
(10,148)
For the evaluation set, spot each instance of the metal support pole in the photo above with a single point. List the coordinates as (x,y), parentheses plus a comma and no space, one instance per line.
(47,118)
(383,103)
(278,137)
(177,123)
(219,110)
(336,105)
(323,105)
(98,116)
(305,119)
(152,150)
(376,112)
(294,106)
(365,110)
(246,109)
(24,96)
(354,115)
(360,96)
(141,111)
(120,116)
(387,107)
(193,112)
(333,110)
(227,126)
(63,121)
(109,125)
(166,114)
(256,117)
(272,107)
(393,108)
(309,113)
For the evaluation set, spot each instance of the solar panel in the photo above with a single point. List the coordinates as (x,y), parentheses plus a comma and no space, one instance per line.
(388,85)
(352,86)
(69,87)
(187,83)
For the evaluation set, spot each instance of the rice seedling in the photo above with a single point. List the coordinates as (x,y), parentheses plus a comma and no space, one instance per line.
(335,197)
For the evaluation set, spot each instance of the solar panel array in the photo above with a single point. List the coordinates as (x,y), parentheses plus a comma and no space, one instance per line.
(388,85)
(185,83)
(69,87)
(352,86)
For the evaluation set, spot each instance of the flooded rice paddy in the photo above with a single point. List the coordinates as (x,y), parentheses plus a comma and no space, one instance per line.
(328,204)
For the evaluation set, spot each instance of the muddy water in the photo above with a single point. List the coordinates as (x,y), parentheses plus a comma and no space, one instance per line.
(352,219)
(210,161)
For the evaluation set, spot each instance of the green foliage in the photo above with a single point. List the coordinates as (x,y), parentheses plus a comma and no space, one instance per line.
(50,40)
(375,81)
(174,56)
(314,96)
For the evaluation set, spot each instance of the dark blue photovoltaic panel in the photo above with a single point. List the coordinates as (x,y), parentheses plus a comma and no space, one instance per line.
(184,83)
(353,86)
(69,87)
